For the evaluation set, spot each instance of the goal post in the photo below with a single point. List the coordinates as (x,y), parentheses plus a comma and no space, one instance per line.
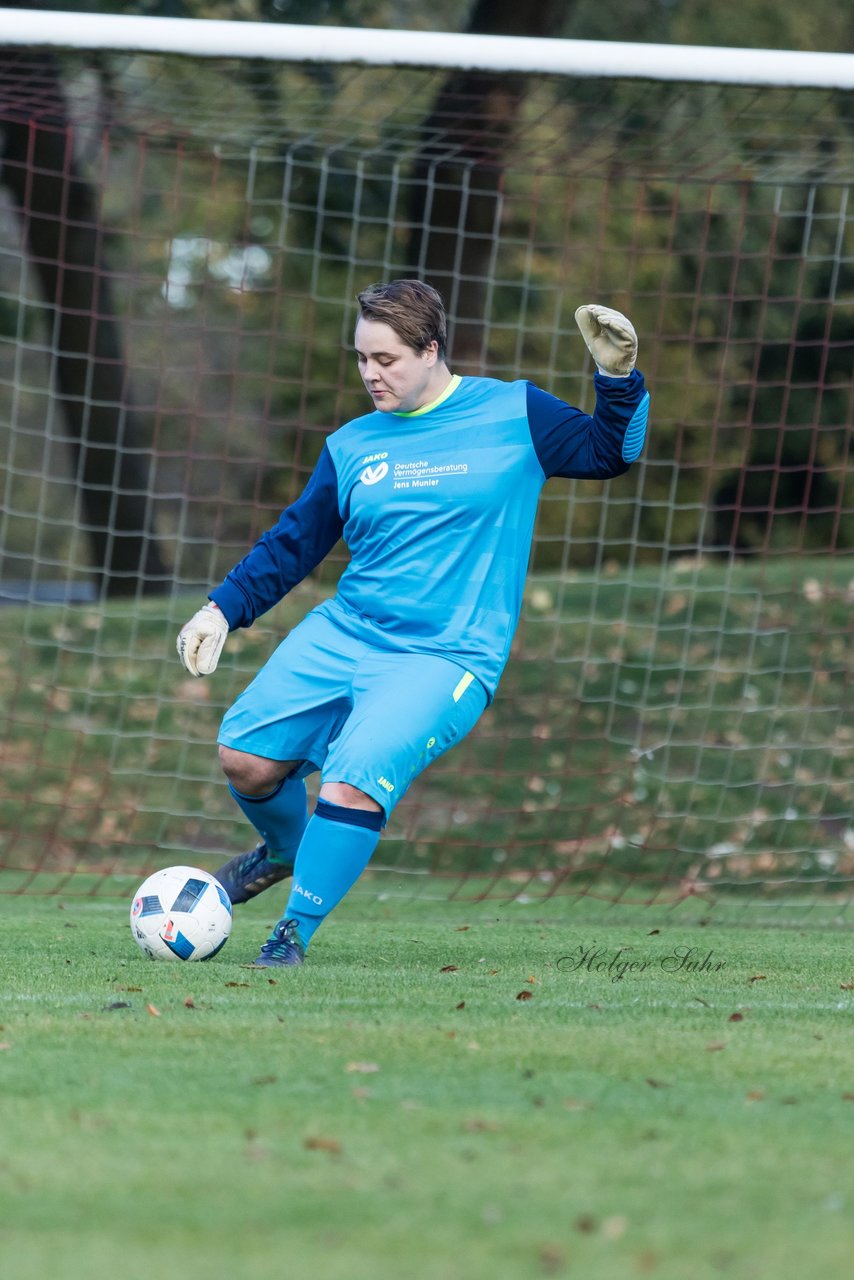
(292,42)
(187,211)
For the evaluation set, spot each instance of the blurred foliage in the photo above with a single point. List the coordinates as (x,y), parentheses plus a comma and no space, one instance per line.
(245,204)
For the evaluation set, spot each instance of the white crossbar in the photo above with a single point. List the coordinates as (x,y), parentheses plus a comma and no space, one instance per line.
(291,43)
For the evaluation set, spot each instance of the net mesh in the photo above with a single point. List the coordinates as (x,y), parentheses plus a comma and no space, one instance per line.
(181,242)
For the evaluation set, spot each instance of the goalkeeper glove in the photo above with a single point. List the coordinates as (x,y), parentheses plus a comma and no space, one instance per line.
(610,338)
(200,641)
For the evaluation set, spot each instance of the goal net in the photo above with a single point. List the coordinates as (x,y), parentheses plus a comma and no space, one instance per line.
(182,236)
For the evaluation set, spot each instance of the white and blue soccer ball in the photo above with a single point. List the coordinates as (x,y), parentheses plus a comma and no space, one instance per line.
(181,913)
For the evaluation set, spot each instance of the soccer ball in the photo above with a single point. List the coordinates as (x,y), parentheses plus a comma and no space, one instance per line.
(181,913)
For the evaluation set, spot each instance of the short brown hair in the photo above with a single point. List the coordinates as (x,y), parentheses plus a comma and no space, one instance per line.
(413,309)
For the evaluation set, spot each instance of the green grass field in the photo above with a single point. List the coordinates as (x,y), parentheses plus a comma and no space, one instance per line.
(440,1093)
(541,1083)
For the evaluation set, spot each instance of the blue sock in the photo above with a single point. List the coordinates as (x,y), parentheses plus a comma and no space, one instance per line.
(279,817)
(335,850)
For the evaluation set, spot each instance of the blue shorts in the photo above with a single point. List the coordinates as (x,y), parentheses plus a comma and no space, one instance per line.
(371,718)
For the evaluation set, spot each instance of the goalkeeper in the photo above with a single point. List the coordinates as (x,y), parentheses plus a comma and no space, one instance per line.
(435,493)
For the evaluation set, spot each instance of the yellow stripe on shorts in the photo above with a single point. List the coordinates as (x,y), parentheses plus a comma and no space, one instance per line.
(463,685)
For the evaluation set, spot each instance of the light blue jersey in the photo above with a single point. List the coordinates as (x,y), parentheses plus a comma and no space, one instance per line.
(437,508)
(439,515)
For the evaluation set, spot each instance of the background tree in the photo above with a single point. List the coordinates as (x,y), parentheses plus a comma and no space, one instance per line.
(458,171)
(58,208)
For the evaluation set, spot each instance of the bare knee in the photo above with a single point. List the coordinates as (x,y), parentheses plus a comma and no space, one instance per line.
(348,797)
(252,775)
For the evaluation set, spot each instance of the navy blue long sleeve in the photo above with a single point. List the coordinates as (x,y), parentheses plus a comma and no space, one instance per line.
(582,446)
(304,535)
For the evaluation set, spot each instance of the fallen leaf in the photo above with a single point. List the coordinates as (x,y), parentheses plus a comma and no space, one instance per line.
(700,1000)
(791,1101)
(846,986)
(461,1005)
(237,984)
(577,1104)
(552,1259)
(255,1151)
(462,928)
(736,1017)
(155,1013)
(530,978)
(755,1095)
(362,1068)
(757,977)
(677,602)
(194,691)
(117,1004)
(715,1046)
(614,1228)
(525,995)
(130,988)
(189,1003)
(846,1097)
(656,1084)
(477,1124)
(5,1045)
(361,1093)
(597,1007)
(473,1045)
(332,1145)
(652,932)
(449,968)
(264,1079)
(585,1223)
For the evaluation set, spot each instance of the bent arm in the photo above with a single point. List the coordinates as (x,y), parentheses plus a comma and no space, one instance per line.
(304,534)
(582,446)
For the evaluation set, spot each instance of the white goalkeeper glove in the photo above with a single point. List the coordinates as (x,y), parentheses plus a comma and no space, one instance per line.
(200,641)
(610,338)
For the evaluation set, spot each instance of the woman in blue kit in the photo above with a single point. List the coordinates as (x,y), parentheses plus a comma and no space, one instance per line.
(435,493)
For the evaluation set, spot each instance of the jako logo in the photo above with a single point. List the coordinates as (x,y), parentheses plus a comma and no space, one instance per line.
(312,897)
(374,457)
(372,475)
(384,782)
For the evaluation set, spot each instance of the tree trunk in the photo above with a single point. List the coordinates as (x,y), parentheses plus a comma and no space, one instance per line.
(459,172)
(59,211)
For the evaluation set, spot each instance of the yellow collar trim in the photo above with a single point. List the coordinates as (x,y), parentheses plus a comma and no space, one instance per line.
(456,379)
